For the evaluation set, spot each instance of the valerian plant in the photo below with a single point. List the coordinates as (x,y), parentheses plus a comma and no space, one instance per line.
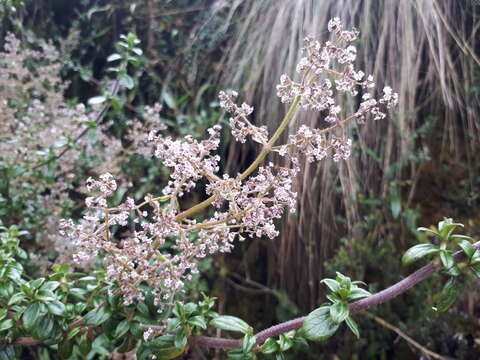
(150,249)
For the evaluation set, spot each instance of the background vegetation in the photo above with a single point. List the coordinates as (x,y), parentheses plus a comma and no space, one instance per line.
(411,170)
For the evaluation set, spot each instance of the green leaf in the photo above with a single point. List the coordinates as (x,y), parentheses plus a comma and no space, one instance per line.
(238,354)
(198,321)
(30,316)
(285,342)
(16,298)
(74,332)
(476,269)
(475,257)
(97,100)
(358,293)
(319,325)
(35,284)
(447,259)
(45,296)
(446,228)
(114,57)
(461,237)
(56,308)
(418,251)
(98,316)
(3,313)
(122,328)
(395,205)
(6,324)
(339,312)
(353,326)
(169,100)
(467,248)
(43,327)
(448,295)
(333,285)
(230,323)
(180,339)
(127,81)
(270,346)
(50,285)
(248,343)
(428,231)
(137,51)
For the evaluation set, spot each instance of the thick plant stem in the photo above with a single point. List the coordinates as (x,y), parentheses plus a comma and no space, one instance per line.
(266,149)
(360,305)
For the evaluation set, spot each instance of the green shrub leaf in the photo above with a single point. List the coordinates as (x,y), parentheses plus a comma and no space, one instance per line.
(339,312)
(230,323)
(418,251)
(319,325)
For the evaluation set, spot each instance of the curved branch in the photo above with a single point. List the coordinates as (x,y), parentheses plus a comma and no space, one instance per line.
(360,305)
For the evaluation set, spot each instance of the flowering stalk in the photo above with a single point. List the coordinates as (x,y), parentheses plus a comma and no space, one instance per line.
(245,205)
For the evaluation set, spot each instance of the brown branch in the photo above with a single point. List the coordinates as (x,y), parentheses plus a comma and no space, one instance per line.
(360,305)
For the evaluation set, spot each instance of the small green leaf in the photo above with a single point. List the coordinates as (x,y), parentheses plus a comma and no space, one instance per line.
(447,259)
(418,251)
(395,205)
(127,81)
(448,295)
(114,57)
(467,248)
(35,284)
(122,328)
(198,321)
(358,293)
(44,295)
(339,312)
(3,313)
(30,316)
(50,285)
(180,339)
(333,285)
(476,269)
(353,326)
(56,308)
(428,231)
(461,237)
(98,316)
(97,100)
(74,332)
(285,342)
(270,346)
(6,324)
(319,325)
(248,343)
(230,323)
(446,228)
(137,51)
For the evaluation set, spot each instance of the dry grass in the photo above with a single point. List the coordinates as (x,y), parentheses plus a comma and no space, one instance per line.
(427,50)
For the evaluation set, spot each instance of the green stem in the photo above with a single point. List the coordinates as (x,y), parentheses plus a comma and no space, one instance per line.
(266,149)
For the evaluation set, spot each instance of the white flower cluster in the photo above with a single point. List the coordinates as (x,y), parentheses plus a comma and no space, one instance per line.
(241,127)
(245,205)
